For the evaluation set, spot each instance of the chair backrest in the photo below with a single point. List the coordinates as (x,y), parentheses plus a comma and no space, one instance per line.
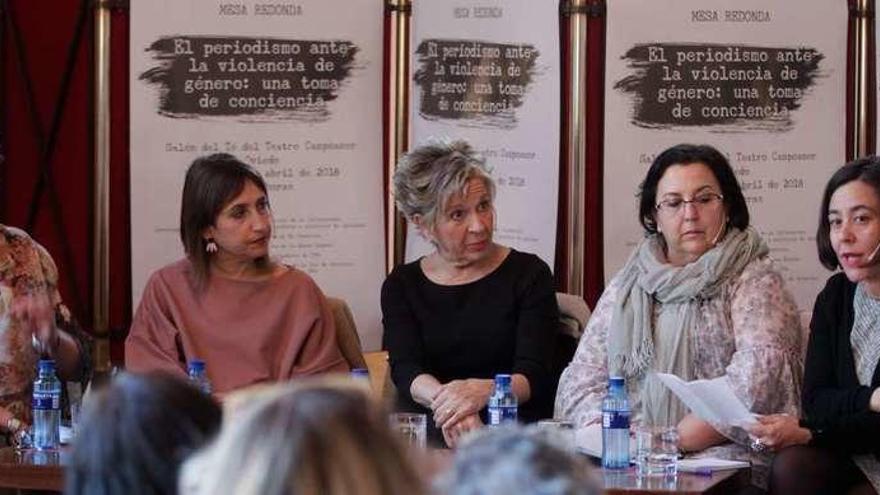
(573,314)
(380,376)
(346,333)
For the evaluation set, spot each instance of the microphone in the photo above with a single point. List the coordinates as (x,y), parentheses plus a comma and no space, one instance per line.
(723,228)
(873,253)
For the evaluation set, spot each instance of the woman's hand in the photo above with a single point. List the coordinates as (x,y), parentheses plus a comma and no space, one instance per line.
(453,433)
(777,431)
(459,399)
(694,434)
(874,405)
(36,312)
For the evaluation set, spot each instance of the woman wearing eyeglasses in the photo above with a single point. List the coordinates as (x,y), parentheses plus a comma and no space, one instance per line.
(699,298)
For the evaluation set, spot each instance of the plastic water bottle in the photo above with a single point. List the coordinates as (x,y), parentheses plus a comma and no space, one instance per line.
(502,402)
(615,426)
(46,403)
(198,377)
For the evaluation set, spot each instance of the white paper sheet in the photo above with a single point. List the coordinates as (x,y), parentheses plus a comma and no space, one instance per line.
(711,400)
(708,465)
(588,440)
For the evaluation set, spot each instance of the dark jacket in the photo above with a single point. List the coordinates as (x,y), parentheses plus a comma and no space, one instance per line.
(836,406)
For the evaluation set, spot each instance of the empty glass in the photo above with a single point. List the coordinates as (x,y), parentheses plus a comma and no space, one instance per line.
(657,451)
(412,427)
(560,432)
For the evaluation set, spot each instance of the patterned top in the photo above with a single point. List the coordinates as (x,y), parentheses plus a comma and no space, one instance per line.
(750,333)
(26,266)
(865,342)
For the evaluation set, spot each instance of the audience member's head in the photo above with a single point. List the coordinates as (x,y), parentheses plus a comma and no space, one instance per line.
(323,436)
(135,434)
(517,460)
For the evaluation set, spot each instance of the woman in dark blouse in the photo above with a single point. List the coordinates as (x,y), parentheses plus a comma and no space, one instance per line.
(470,309)
(835,448)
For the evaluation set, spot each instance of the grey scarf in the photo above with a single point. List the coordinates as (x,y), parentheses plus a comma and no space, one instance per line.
(634,347)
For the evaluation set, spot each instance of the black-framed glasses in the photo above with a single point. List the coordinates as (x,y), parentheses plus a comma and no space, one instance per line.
(702,201)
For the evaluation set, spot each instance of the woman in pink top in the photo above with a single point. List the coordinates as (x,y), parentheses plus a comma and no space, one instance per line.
(249,317)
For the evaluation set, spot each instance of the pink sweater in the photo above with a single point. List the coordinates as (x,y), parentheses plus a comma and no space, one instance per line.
(246,332)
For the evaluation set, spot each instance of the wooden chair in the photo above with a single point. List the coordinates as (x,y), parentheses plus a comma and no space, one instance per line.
(380,376)
(346,333)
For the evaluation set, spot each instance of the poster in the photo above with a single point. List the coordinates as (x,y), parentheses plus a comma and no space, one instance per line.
(763,81)
(488,72)
(293,89)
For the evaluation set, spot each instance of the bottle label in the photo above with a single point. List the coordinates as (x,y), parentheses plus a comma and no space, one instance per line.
(45,401)
(615,419)
(498,415)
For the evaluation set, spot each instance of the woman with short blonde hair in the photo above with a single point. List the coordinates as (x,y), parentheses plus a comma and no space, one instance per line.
(472,308)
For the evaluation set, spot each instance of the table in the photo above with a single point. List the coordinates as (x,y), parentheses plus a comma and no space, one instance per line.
(626,482)
(33,469)
(433,462)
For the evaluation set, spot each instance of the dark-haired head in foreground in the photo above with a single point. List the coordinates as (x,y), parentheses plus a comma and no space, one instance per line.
(136,433)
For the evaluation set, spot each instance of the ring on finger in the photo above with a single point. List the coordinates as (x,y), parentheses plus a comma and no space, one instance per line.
(758,445)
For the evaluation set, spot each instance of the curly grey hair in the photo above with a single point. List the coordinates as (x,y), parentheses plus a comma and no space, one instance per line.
(517,460)
(428,175)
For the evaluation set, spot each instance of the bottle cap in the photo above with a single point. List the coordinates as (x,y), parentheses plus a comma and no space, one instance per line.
(502,379)
(196,365)
(46,365)
(616,381)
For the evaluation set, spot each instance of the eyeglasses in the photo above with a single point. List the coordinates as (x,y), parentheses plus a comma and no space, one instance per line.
(702,201)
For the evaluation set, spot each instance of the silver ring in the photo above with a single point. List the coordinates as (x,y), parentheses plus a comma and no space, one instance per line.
(758,446)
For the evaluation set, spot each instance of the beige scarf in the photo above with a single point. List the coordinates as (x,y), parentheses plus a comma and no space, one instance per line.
(634,347)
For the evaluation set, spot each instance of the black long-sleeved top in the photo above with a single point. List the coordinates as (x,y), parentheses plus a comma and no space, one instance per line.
(503,323)
(836,406)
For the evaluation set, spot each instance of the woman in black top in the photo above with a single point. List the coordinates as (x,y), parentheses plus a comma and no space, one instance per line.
(470,309)
(835,448)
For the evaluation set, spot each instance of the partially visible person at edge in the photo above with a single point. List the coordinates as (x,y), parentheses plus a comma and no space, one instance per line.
(228,302)
(835,447)
(471,308)
(34,323)
(135,434)
(700,299)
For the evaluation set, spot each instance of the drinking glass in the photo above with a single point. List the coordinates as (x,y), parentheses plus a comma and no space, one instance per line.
(657,451)
(559,432)
(412,427)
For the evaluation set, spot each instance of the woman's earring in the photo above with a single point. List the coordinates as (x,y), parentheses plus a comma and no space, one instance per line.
(211,246)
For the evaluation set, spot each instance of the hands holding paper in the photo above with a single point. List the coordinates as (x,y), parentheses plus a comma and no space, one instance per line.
(777,431)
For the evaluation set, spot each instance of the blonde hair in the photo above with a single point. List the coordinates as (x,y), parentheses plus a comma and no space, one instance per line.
(429,174)
(318,436)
